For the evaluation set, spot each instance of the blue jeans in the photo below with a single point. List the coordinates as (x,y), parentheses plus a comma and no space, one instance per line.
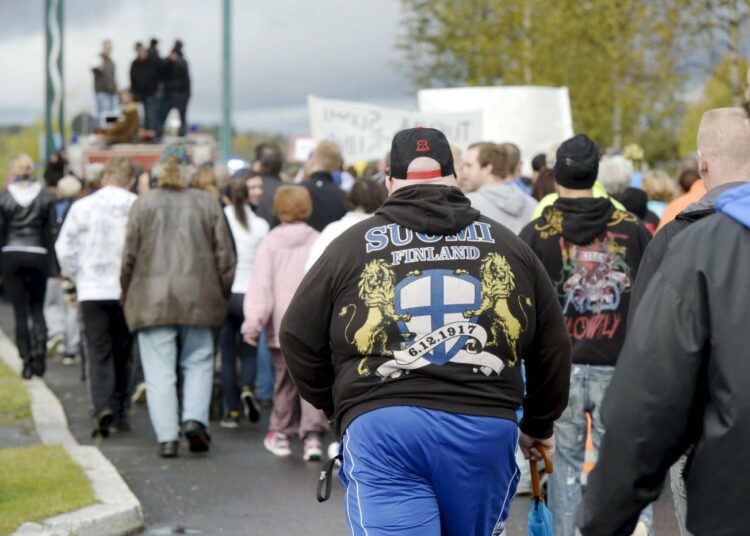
(265,375)
(105,103)
(150,112)
(231,346)
(414,471)
(159,359)
(588,385)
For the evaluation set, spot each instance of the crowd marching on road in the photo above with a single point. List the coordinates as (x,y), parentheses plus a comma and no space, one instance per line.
(426,328)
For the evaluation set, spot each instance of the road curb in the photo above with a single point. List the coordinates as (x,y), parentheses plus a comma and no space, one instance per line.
(118,511)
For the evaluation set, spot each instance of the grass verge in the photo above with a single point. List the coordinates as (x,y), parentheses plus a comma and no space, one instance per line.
(14,398)
(39,482)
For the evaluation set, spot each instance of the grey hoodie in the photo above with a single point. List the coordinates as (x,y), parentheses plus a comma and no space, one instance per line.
(504,203)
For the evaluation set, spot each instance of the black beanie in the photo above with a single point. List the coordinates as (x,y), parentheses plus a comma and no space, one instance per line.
(577,163)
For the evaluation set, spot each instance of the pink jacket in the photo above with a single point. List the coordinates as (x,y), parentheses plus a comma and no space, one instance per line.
(278,270)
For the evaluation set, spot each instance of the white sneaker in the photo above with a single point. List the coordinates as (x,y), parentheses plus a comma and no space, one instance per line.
(277,444)
(640,529)
(313,450)
(333,451)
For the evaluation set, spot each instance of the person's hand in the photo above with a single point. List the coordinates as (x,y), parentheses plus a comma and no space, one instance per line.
(526,442)
(252,340)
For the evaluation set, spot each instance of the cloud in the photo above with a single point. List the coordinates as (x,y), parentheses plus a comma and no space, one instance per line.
(282,51)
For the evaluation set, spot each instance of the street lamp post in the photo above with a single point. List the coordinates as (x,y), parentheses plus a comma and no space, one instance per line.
(55,87)
(226,103)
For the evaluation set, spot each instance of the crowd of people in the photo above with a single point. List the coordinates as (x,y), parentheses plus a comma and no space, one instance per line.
(427,316)
(158,84)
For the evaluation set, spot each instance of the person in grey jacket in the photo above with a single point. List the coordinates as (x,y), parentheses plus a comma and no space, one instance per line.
(176,278)
(499,198)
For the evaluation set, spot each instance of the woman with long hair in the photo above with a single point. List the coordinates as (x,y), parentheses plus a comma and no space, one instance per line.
(248,231)
(27,240)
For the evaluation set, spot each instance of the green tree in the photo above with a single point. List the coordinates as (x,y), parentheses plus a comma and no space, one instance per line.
(718,92)
(16,141)
(618,58)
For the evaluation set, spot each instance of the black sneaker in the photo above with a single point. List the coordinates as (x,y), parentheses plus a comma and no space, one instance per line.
(168,449)
(103,422)
(197,436)
(231,421)
(121,425)
(250,405)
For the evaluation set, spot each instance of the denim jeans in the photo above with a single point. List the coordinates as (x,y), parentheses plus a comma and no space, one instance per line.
(105,103)
(588,385)
(61,318)
(232,346)
(265,378)
(150,112)
(679,494)
(159,359)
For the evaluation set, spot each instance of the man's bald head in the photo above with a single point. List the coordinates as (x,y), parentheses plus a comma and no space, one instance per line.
(724,147)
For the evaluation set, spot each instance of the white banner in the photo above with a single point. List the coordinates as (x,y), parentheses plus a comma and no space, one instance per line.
(537,119)
(365,132)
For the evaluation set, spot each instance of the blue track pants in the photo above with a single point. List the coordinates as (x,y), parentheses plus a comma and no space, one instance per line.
(420,472)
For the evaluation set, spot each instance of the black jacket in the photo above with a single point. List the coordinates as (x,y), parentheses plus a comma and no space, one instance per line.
(271,183)
(683,378)
(658,247)
(327,200)
(635,200)
(176,77)
(144,77)
(591,252)
(29,222)
(429,304)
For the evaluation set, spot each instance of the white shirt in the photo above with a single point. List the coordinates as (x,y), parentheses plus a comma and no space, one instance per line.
(89,247)
(247,242)
(330,233)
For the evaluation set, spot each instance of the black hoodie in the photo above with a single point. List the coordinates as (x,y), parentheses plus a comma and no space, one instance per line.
(591,251)
(429,304)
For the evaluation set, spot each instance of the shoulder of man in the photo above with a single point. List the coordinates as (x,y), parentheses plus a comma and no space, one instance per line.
(703,246)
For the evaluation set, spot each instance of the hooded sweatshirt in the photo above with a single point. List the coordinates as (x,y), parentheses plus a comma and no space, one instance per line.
(591,251)
(504,203)
(429,304)
(278,270)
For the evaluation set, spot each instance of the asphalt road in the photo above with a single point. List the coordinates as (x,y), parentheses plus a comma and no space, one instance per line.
(238,488)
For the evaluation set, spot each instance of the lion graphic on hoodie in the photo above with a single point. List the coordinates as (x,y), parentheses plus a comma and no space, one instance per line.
(377,289)
(498,282)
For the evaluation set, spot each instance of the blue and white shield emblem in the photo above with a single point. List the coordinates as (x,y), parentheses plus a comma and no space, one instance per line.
(433,299)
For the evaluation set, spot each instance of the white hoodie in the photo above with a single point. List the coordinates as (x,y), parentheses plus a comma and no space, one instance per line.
(89,247)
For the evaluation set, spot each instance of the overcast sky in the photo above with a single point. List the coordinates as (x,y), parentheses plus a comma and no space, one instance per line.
(283,50)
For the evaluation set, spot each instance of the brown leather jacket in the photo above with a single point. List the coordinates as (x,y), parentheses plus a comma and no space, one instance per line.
(178,263)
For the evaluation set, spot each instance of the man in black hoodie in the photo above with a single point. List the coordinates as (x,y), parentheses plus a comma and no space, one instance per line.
(408,333)
(591,251)
(724,164)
